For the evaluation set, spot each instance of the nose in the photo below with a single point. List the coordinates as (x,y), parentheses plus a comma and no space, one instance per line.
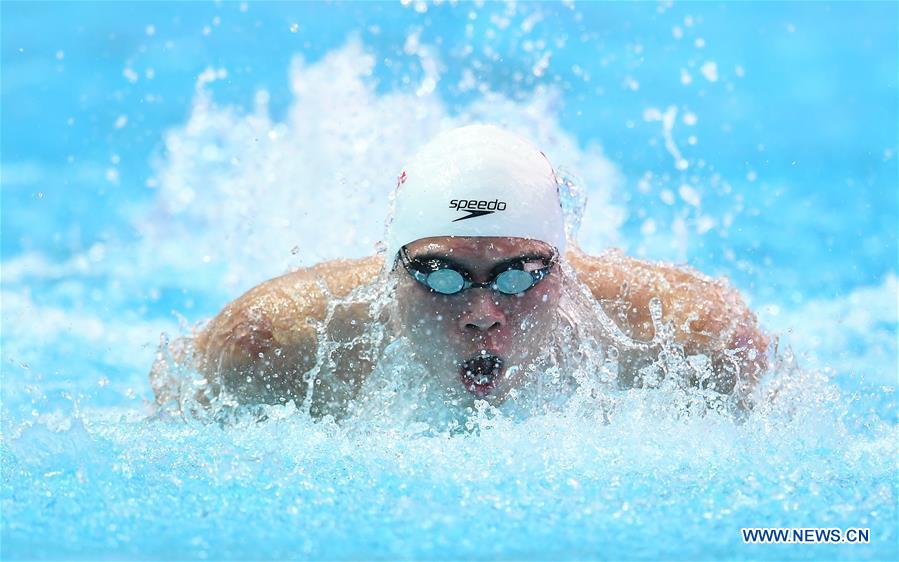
(482,313)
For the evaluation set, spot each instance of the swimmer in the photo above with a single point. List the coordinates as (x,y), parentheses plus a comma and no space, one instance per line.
(476,261)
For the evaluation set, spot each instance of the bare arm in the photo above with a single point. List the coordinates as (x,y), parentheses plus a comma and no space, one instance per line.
(709,316)
(260,346)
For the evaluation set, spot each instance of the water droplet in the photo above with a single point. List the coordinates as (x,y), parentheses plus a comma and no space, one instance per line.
(130,75)
(709,69)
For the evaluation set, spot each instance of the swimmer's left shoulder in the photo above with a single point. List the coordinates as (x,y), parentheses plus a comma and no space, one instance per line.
(710,315)
(703,308)
(614,265)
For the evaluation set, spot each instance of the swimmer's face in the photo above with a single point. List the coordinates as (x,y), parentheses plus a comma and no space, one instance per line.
(458,337)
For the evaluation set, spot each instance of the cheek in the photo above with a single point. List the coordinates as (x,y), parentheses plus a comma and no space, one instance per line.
(423,316)
(536,305)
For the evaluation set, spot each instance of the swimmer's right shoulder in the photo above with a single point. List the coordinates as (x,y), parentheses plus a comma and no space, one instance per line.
(272,328)
(338,277)
(284,304)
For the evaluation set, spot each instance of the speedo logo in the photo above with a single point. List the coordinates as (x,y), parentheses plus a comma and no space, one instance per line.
(476,207)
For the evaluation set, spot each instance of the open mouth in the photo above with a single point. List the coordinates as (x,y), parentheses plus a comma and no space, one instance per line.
(480,373)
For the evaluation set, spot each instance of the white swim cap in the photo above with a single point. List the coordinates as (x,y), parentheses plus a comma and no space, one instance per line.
(478,180)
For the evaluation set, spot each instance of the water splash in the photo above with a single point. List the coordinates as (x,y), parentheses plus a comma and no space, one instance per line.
(259,197)
(573,195)
(578,372)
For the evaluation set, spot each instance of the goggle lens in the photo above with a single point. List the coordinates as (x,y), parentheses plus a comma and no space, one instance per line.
(446,281)
(514,281)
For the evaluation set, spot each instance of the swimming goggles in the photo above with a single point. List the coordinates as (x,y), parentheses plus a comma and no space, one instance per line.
(509,278)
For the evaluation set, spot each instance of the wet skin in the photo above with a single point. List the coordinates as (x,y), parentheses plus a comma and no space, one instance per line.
(262,345)
(449,329)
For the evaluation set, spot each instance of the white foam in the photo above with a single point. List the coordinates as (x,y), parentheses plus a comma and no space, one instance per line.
(30,329)
(852,334)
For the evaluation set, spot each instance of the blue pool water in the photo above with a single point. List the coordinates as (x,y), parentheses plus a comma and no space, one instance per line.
(158,159)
